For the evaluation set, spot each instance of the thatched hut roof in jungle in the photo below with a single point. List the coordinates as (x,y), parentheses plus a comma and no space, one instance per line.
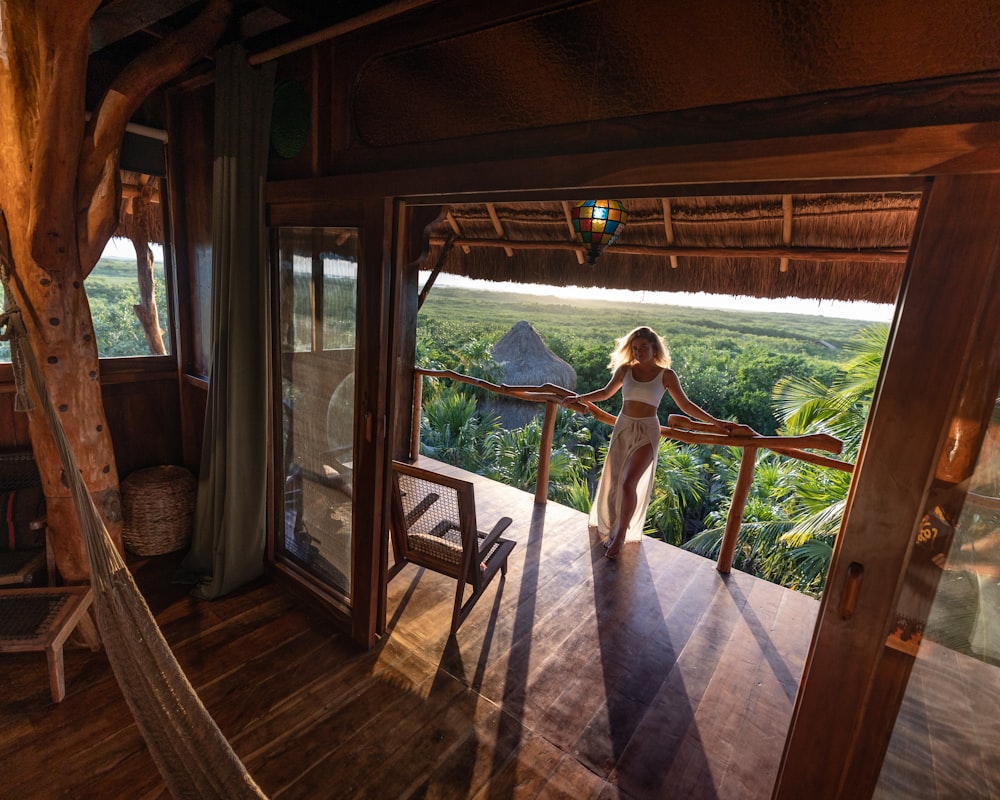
(824,246)
(526,360)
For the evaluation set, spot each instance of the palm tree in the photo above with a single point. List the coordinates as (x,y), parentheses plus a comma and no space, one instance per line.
(514,459)
(794,513)
(680,484)
(452,430)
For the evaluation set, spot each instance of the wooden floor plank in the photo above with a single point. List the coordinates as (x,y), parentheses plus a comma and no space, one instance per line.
(651,676)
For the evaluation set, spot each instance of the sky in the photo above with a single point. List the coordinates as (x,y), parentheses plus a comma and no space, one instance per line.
(873,312)
(122,248)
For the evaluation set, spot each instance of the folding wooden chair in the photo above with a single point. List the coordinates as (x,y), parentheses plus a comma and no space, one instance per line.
(434,526)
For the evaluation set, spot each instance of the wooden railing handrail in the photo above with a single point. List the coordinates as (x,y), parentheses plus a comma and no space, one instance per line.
(679,427)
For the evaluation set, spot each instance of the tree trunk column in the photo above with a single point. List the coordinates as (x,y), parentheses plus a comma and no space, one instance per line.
(69,365)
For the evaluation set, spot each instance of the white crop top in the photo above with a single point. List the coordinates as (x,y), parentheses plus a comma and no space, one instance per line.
(649,392)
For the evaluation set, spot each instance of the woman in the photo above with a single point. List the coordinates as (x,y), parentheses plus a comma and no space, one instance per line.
(640,367)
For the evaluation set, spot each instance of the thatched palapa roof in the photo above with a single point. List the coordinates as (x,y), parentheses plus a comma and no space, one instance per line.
(824,246)
(140,213)
(526,361)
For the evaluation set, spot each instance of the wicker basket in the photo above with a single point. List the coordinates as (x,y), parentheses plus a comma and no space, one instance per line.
(158,506)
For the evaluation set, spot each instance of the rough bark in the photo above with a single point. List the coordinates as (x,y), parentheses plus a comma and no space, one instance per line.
(146,310)
(58,208)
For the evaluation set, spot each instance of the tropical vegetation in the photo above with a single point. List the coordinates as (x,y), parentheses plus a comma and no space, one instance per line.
(113,293)
(784,374)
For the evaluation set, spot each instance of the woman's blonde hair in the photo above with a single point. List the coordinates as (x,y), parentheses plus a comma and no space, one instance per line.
(622,354)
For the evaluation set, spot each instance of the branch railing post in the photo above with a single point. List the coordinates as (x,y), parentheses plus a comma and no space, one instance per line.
(735,517)
(545,454)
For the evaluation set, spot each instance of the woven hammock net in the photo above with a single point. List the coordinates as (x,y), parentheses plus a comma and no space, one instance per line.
(193,757)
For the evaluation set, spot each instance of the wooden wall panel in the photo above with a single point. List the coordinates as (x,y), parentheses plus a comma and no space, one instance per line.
(13,424)
(144,419)
(143,414)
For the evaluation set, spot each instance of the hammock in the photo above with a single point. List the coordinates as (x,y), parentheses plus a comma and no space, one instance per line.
(192,755)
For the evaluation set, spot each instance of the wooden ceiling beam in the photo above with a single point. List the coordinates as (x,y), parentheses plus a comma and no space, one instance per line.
(453,224)
(498,226)
(668,226)
(786,227)
(893,255)
(572,231)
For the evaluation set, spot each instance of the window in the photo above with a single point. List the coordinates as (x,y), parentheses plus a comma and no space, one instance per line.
(126,323)
(128,294)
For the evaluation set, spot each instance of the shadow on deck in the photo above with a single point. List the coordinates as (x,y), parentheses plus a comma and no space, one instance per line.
(649,677)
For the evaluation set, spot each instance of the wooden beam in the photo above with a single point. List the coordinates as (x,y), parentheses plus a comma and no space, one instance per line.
(893,255)
(786,228)
(545,454)
(498,226)
(878,155)
(572,231)
(735,517)
(453,224)
(668,229)
(354,23)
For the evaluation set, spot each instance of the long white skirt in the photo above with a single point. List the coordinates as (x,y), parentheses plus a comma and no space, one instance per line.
(629,434)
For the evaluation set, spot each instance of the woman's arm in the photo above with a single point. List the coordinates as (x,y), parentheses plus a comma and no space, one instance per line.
(673,385)
(597,395)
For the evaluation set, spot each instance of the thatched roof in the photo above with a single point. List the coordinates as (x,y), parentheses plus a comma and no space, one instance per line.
(140,209)
(526,361)
(828,246)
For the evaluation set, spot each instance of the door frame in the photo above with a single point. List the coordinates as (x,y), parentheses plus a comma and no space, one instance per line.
(363,617)
(897,160)
(921,386)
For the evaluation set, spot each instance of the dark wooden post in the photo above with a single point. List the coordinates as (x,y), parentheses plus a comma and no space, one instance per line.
(418,390)
(735,518)
(545,454)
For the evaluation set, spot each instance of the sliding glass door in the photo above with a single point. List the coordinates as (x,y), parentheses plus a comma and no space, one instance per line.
(330,399)
(318,287)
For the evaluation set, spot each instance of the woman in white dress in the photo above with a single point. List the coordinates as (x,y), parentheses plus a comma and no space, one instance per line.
(640,367)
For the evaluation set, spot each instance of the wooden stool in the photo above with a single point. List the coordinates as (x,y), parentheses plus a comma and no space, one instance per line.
(42,619)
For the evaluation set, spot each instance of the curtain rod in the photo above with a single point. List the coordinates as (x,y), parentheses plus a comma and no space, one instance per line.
(348,25)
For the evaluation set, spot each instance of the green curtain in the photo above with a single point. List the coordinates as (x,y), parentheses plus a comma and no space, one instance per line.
(227,544)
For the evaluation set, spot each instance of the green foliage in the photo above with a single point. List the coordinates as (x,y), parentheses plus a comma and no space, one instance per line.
(680,485)
(795,509)
(778,373)
(453,431)
(112,291)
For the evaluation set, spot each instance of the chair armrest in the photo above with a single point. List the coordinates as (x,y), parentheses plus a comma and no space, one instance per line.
(486,541)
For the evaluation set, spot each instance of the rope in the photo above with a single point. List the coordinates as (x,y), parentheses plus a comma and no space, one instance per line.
(193,757)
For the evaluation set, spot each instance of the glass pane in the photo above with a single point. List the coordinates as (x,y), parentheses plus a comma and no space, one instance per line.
(318,271)
(129,320)
(947,733)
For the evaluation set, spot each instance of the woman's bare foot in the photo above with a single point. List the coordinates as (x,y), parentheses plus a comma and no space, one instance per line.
(614,547)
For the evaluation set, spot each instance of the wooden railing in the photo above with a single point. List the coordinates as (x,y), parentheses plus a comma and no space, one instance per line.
(679,428)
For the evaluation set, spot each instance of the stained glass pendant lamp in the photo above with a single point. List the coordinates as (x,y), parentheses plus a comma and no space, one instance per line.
(597,224)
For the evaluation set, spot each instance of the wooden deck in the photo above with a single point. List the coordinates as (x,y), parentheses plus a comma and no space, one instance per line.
(649,677)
